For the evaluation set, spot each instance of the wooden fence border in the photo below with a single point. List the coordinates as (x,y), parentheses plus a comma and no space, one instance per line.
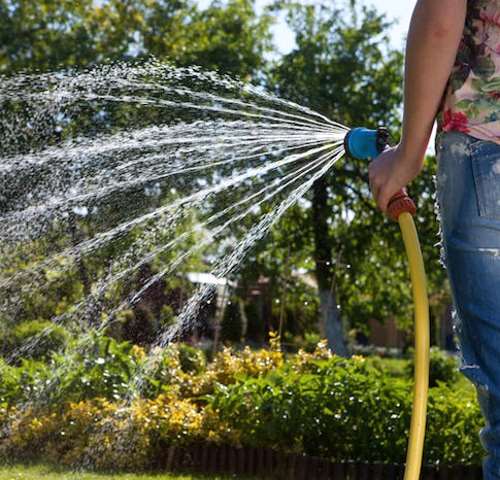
(269,463)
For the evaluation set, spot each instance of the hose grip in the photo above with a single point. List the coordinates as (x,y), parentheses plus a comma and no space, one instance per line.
(400,203)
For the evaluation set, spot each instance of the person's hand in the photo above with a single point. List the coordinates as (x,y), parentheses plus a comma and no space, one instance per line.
(390,171)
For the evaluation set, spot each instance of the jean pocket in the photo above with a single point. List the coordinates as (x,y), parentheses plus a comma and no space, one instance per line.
(485,160)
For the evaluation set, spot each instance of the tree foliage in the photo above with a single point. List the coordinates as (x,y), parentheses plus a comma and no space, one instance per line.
(342,65)
(48,35)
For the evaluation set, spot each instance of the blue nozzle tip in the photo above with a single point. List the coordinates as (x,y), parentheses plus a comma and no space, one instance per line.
(361,143)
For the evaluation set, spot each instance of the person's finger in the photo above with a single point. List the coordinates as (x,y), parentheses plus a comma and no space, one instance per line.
(383,203)
(376,189)
(385,199)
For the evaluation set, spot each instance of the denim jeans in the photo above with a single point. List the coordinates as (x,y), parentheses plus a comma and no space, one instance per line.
(468,194)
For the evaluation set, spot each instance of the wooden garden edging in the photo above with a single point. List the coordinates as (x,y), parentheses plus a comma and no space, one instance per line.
(265,462)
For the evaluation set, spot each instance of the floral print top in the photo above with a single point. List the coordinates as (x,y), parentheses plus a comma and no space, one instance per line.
(471,103)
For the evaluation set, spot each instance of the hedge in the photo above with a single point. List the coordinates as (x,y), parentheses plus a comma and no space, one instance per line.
(317,403)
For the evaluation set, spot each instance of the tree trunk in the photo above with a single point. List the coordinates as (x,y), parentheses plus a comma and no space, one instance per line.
(330,321)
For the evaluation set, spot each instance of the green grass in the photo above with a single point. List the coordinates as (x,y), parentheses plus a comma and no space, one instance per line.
(48,472)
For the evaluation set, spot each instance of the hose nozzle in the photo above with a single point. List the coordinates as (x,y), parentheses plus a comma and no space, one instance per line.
(365,144)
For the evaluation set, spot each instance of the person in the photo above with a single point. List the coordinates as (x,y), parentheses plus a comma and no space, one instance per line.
(452,73)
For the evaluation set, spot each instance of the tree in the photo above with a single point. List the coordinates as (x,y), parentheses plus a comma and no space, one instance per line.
(47,35)
(344,68)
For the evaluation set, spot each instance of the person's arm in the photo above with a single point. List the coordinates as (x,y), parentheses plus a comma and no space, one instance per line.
(435,32)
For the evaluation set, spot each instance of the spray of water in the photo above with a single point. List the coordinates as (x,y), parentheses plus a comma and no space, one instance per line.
(118,168)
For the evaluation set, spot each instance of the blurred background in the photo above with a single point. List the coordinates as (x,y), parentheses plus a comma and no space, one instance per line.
(343,59)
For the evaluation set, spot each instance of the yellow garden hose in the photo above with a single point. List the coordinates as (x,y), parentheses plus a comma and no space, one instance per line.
(419,286)
(365,144)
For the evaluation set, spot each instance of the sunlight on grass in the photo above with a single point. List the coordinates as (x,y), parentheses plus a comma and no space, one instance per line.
(37,472)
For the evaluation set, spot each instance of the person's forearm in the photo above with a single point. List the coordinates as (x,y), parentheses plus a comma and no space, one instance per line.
(435,32)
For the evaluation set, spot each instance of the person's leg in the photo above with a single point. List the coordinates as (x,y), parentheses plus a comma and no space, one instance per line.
(468,189)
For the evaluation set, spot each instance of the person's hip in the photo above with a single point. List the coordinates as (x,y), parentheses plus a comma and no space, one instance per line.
(468,187)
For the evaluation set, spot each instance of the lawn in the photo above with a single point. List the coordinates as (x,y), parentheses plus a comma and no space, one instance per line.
(47,472)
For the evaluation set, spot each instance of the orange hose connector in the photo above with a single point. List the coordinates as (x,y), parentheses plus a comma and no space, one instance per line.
(399,203)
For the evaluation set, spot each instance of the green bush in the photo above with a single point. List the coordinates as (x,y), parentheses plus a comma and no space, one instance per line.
(49,338)
(191,359)
(393,367)
(311,339)
(317,403)
(23,382)
(443,367)
(454,421)
(346,410)
(10,385)
(335,408)
(98,367)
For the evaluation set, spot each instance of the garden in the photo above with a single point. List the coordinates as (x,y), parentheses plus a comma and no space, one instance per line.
(194,282)
(312,402)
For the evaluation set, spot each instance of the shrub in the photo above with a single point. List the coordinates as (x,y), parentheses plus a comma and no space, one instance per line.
(443,367)
(333,407)
(95,367)
(227,367)
(10,384)
(20,383)
(106,435)
(317,403)
(50,337)
(346,410)
(191,359)
(454,421)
